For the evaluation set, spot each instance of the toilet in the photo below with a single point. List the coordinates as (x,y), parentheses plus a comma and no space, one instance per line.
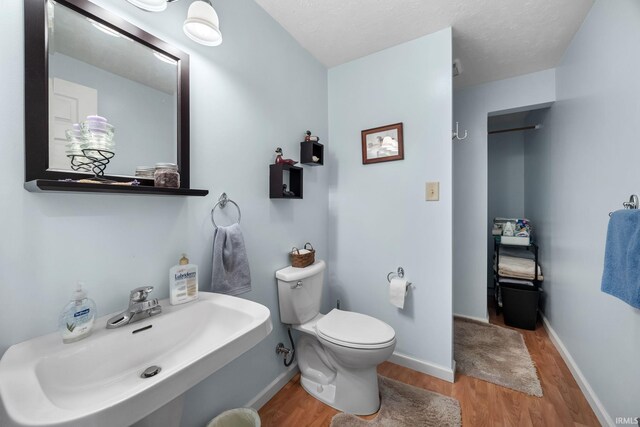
(337,352)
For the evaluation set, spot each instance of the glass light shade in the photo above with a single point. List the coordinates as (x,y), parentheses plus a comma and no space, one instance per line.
(150,5)
(202,24)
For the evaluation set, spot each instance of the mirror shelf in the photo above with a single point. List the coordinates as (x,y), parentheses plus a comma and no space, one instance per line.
(50,185)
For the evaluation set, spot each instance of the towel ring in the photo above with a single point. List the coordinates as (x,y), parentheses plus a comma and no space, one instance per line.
(222,202)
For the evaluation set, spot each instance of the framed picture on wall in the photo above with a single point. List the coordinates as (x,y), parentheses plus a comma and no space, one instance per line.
(382,144)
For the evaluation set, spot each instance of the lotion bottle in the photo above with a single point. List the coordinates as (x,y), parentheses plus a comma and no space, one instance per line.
(183,282)
(76,320)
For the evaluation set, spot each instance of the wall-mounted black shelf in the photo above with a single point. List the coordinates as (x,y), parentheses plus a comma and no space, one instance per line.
(308,149)
(50,185)
(276,179)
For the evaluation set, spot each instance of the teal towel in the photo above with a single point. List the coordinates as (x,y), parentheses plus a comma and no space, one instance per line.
(621,275)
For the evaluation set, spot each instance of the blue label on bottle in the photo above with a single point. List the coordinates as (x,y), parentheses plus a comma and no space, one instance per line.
(81,313)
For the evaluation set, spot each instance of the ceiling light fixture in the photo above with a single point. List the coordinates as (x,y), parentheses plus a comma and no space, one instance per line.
(202,24)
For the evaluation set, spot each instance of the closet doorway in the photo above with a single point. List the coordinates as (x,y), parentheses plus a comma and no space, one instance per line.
(511,150)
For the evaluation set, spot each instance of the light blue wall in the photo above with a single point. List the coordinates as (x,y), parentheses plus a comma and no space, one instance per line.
(258,90)
(581,166)
(506,175)
(471,106)
(379,219)
(142,139)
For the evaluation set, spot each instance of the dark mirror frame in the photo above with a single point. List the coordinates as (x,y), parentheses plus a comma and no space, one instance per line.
(36,87)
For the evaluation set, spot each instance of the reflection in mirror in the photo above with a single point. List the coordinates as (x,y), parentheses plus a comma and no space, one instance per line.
(96,70)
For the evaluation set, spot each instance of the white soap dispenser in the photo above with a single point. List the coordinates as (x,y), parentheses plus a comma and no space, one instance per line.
(76,320)
(183,282)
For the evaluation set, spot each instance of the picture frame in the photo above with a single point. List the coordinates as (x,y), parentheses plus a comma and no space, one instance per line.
(382,144)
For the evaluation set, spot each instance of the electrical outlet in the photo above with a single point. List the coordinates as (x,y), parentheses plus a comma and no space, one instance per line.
(433,191)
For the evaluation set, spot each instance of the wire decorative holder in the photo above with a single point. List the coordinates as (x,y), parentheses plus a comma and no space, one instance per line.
(92,160)
(90,146)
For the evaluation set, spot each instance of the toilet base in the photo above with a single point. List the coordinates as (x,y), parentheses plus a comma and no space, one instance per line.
(325,393)
(353,392)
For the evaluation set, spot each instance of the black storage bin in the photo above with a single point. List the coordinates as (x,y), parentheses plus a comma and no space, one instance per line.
(520,305)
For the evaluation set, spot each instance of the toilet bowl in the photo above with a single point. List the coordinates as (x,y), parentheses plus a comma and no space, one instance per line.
(338,352)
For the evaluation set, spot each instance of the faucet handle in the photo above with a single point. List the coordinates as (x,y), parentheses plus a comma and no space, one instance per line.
(140,294)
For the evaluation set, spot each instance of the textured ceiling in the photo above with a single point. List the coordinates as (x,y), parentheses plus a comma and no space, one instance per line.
(494,39)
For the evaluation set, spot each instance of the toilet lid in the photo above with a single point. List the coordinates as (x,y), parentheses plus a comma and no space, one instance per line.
(354,330)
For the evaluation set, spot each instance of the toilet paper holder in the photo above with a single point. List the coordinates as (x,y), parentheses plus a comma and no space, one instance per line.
(400,274)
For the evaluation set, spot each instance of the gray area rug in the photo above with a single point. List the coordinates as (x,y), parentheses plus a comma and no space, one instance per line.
(403,405)
(494,354)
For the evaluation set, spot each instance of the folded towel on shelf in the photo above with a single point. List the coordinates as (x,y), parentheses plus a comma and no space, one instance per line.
(621,275)
(516,253)
(230,273)
(509,273)
(519,268)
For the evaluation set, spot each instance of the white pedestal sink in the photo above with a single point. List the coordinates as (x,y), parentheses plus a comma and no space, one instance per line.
(97,381)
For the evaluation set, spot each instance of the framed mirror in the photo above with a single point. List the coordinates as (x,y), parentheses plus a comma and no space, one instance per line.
(80,61)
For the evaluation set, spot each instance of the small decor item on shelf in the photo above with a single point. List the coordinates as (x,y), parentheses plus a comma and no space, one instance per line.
(75,140)
(301,258)
(286,192)
(315,159)
(166,175)
(508,229)
(512,231)
(90,145)
(145,172)
(311,138)
(282,160)
(134,183)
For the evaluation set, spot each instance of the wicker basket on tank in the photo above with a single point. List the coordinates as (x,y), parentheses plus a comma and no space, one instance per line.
(299,260)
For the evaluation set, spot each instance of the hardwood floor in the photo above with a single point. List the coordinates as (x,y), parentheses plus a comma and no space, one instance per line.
(482,403)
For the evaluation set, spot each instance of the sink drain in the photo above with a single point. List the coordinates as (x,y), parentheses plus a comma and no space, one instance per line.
(151,371)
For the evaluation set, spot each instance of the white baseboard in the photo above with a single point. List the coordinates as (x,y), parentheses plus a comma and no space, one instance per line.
(595,403)
(438,371)
(274,387)
(477,319)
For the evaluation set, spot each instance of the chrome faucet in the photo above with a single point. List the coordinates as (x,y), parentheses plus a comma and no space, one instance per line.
(139,308)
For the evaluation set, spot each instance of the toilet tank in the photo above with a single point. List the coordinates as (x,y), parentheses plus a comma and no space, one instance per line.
(300,292)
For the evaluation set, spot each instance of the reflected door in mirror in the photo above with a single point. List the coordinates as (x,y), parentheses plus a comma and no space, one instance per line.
(69,103)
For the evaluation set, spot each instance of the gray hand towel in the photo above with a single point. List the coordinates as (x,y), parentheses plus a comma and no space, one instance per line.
(230,274)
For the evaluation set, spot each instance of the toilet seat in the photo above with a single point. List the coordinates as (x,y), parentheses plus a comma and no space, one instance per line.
(355,330)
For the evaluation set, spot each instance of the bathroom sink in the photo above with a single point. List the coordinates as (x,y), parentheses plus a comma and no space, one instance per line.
(97,381)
